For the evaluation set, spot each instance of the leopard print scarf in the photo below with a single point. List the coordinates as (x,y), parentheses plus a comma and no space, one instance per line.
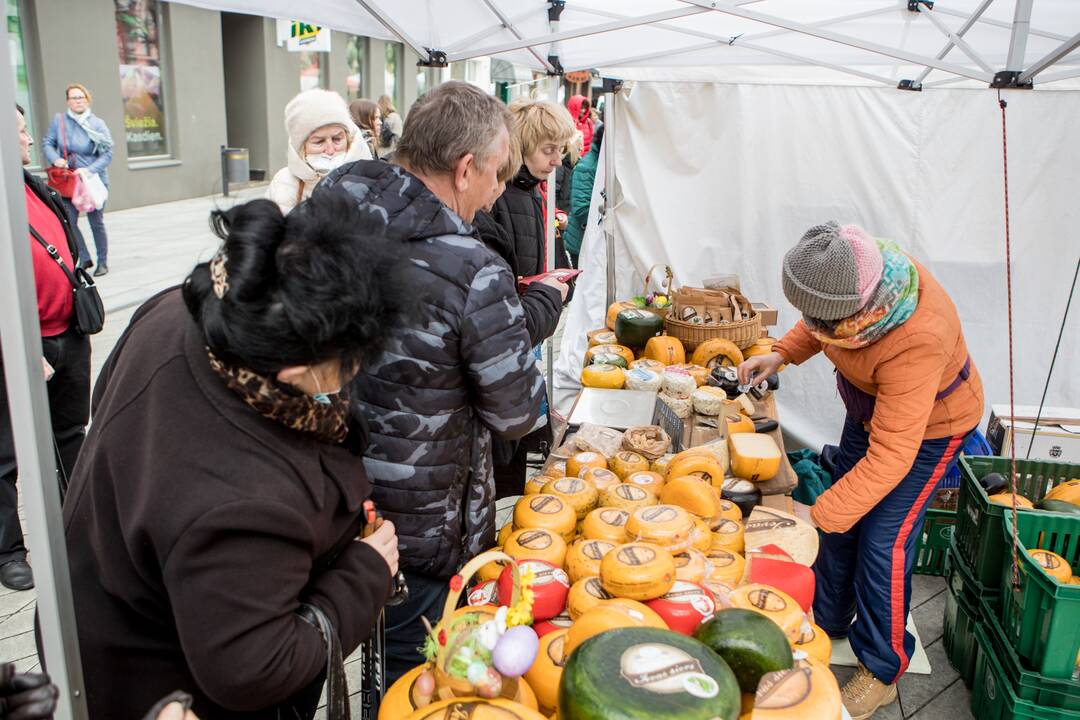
(328,423)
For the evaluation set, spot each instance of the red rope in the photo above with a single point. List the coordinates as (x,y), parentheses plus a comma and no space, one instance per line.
(1008,289)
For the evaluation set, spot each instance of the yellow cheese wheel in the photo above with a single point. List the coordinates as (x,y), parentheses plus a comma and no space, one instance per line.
(815,642)
(717,351)
(808,690)
(665,349)
(609,377)
(729,535)
(729,511)
(621,350)
(583,460)
(637,571)
(754,456)
(575,492)
(1054,565)
(608,615)
(585,594)
(625,462)
(602,337)
(1007,500)
(690,565)
(615,308)
(725,566)
(606,523)
(491,571)
(536,483)
(627,497)
(737,422)
(600,478)
(403,698)
(703,464)
(648,364)
(693,494)
(584,556)
(774,604)
(546,672)
(504,533)
(536,544)
(547,512)
(763,346)
(701,536)
(1068,491)
(668,526)
(556,469)
(652,482)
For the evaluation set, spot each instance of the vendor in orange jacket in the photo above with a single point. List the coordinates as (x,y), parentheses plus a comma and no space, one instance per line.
(913,396)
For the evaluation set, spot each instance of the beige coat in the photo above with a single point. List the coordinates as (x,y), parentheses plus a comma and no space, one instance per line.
(297,180)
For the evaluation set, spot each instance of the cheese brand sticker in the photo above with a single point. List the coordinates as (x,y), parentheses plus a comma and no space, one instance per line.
(636,555)
(700,685)
(772,522)
(556,650)
(1046,560)
(569,486)
(546,504)
(483,594)
(630,492)
(783,689)
(594,588)
(727,527)
(544,573)
(598,474)
(764,599)
(738,485)
(561,621)
(596,549)
(660,513)
(535,539)
(720,558)
(660,669)
(703,475)
(807,634)
(614,517)
(627,456)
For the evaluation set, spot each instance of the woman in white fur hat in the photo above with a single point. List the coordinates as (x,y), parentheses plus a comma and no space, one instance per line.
(322,136)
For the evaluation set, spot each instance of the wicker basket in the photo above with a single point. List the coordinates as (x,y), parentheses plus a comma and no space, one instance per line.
(743,333)
(669,277)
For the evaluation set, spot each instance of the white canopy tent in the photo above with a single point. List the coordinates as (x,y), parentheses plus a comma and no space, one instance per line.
(752,47)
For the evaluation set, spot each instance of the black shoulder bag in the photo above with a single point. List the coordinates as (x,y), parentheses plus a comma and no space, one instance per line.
(89,310)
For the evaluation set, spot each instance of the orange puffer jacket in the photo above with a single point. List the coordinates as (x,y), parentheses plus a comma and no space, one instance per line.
(904,370)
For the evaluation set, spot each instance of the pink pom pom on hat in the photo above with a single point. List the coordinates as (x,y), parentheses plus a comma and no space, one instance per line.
(868,259)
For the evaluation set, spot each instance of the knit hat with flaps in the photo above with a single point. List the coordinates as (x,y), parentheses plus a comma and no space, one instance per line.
(832,271)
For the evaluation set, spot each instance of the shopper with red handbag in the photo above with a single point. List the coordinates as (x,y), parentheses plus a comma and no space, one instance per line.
(79,142)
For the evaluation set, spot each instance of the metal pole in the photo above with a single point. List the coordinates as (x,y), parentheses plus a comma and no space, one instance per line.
(550,260)
(224,173)
(1049,59)
(959,33)
(20,340)
(607,147)
(1018,42)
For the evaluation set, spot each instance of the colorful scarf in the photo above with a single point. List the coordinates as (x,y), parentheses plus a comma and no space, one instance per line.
(328,423)
(893,302)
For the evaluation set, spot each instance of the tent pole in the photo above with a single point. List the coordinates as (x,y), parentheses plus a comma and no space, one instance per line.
(20,338)
(509,25)
(1018,41)
(550,260)
(607,147)
(1050,58)
(490,30)
(968,24)
(999,23)
(399,32)
(956,39)
(1063,75)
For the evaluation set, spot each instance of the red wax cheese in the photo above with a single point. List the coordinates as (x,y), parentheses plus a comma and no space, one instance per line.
(550,588)
(791,577)
(685,606)
(559,622)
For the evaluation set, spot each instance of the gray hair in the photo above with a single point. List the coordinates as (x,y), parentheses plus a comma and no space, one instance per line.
(448,122)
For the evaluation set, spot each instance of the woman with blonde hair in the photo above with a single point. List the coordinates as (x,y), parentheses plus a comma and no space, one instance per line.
(367,116)
(392,125)
(322,137)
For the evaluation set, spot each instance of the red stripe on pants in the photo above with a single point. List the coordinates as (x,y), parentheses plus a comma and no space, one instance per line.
(899,619)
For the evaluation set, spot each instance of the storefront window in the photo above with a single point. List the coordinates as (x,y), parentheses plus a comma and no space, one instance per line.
(394,63)
(18,63)
(138,41)
(355,56)
(312,69)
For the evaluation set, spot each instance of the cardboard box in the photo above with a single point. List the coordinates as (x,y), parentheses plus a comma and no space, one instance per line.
(1057,437)
(766,311)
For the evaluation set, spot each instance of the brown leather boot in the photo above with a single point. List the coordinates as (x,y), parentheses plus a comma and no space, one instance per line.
(864,694)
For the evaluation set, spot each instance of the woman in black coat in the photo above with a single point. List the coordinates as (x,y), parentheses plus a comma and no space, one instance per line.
(216,508)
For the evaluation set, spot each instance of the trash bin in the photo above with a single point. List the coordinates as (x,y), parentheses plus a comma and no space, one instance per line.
(235,167)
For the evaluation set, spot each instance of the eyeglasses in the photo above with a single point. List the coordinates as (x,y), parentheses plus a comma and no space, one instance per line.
(76,97)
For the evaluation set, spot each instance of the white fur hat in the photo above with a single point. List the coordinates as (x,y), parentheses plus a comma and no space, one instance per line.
(312,109)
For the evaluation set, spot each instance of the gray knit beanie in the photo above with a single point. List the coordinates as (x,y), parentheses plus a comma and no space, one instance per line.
(832,271)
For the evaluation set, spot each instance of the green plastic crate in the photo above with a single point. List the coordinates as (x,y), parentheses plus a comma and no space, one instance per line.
(964,599)
(992,696)
(1040,616)
(978,521)
(933,543)
(1029,686)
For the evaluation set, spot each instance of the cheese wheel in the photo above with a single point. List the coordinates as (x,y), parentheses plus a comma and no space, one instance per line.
(793,535)
(701,536)
(626,497)
(668,526)
(808,690)
(550,586)
(1068,491)
(599,478)
(729,535)
(584,556)
(690,565)
(681,407)
(699,373)
(665,349)
(703,464)
(717,351)
(1006,499)
(763,346)
(602,337)
(650,481)
(774,604)
(729,511)
(546,672)
(648,364)
(708,400)
(625,462)
(637,571)
(615,349)
(582,460)
(536,544)
(575,492)
(504,533)
(609,615)
(643,380)
(815,642)
(754,456)
(684,607)
(403,698)
(737,423)
(1054,565)
(678,383)
(536,483)
(660,464)
(693,494)
(606,523)
(556,469)
(547,512)
(584,595)
(491,571)
(609,377)
(726,567)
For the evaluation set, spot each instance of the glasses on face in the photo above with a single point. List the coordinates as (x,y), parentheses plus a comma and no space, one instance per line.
(76,97)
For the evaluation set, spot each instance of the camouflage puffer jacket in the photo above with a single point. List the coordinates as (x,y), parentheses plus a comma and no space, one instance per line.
(460,369)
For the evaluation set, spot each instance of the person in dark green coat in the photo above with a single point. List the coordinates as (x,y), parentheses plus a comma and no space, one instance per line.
(581,187)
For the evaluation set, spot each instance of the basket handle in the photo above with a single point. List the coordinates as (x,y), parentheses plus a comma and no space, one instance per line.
(472,567)
(668,278)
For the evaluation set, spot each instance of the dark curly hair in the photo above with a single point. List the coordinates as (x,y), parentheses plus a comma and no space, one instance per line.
(317,284)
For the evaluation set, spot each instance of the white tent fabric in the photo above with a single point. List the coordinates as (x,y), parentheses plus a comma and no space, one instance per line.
(716,177)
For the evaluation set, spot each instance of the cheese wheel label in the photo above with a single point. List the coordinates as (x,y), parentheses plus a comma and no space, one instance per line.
(594,588)
(738,485)
(807,634)
(615,518)
(764,599)
(658,514)
(569,486)
(535,539)
(546,504)
(727,527)
(1047,560)
(692,595)
(544,573)
(561,621)
(556,650)
(636,555)
(719,558)
(630,492)
(665,670)
(483,594)
(770,522)
(596,549)
(598,475)
(783,689)
(635,314)
(627,456)
(726,504)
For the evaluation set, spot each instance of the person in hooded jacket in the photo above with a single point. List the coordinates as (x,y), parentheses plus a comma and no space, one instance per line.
(581,111)
(322,136)
(564,174)
(581,190)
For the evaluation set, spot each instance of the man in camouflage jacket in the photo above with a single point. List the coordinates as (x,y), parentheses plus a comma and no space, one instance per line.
(461,368)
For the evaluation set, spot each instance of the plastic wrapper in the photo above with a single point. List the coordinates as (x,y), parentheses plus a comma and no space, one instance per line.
(597,438)
(650,441)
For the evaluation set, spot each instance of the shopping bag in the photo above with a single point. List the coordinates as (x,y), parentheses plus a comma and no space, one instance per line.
(96,188)
(81,197)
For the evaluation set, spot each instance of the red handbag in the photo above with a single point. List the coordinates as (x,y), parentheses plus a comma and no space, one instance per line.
(62,179)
